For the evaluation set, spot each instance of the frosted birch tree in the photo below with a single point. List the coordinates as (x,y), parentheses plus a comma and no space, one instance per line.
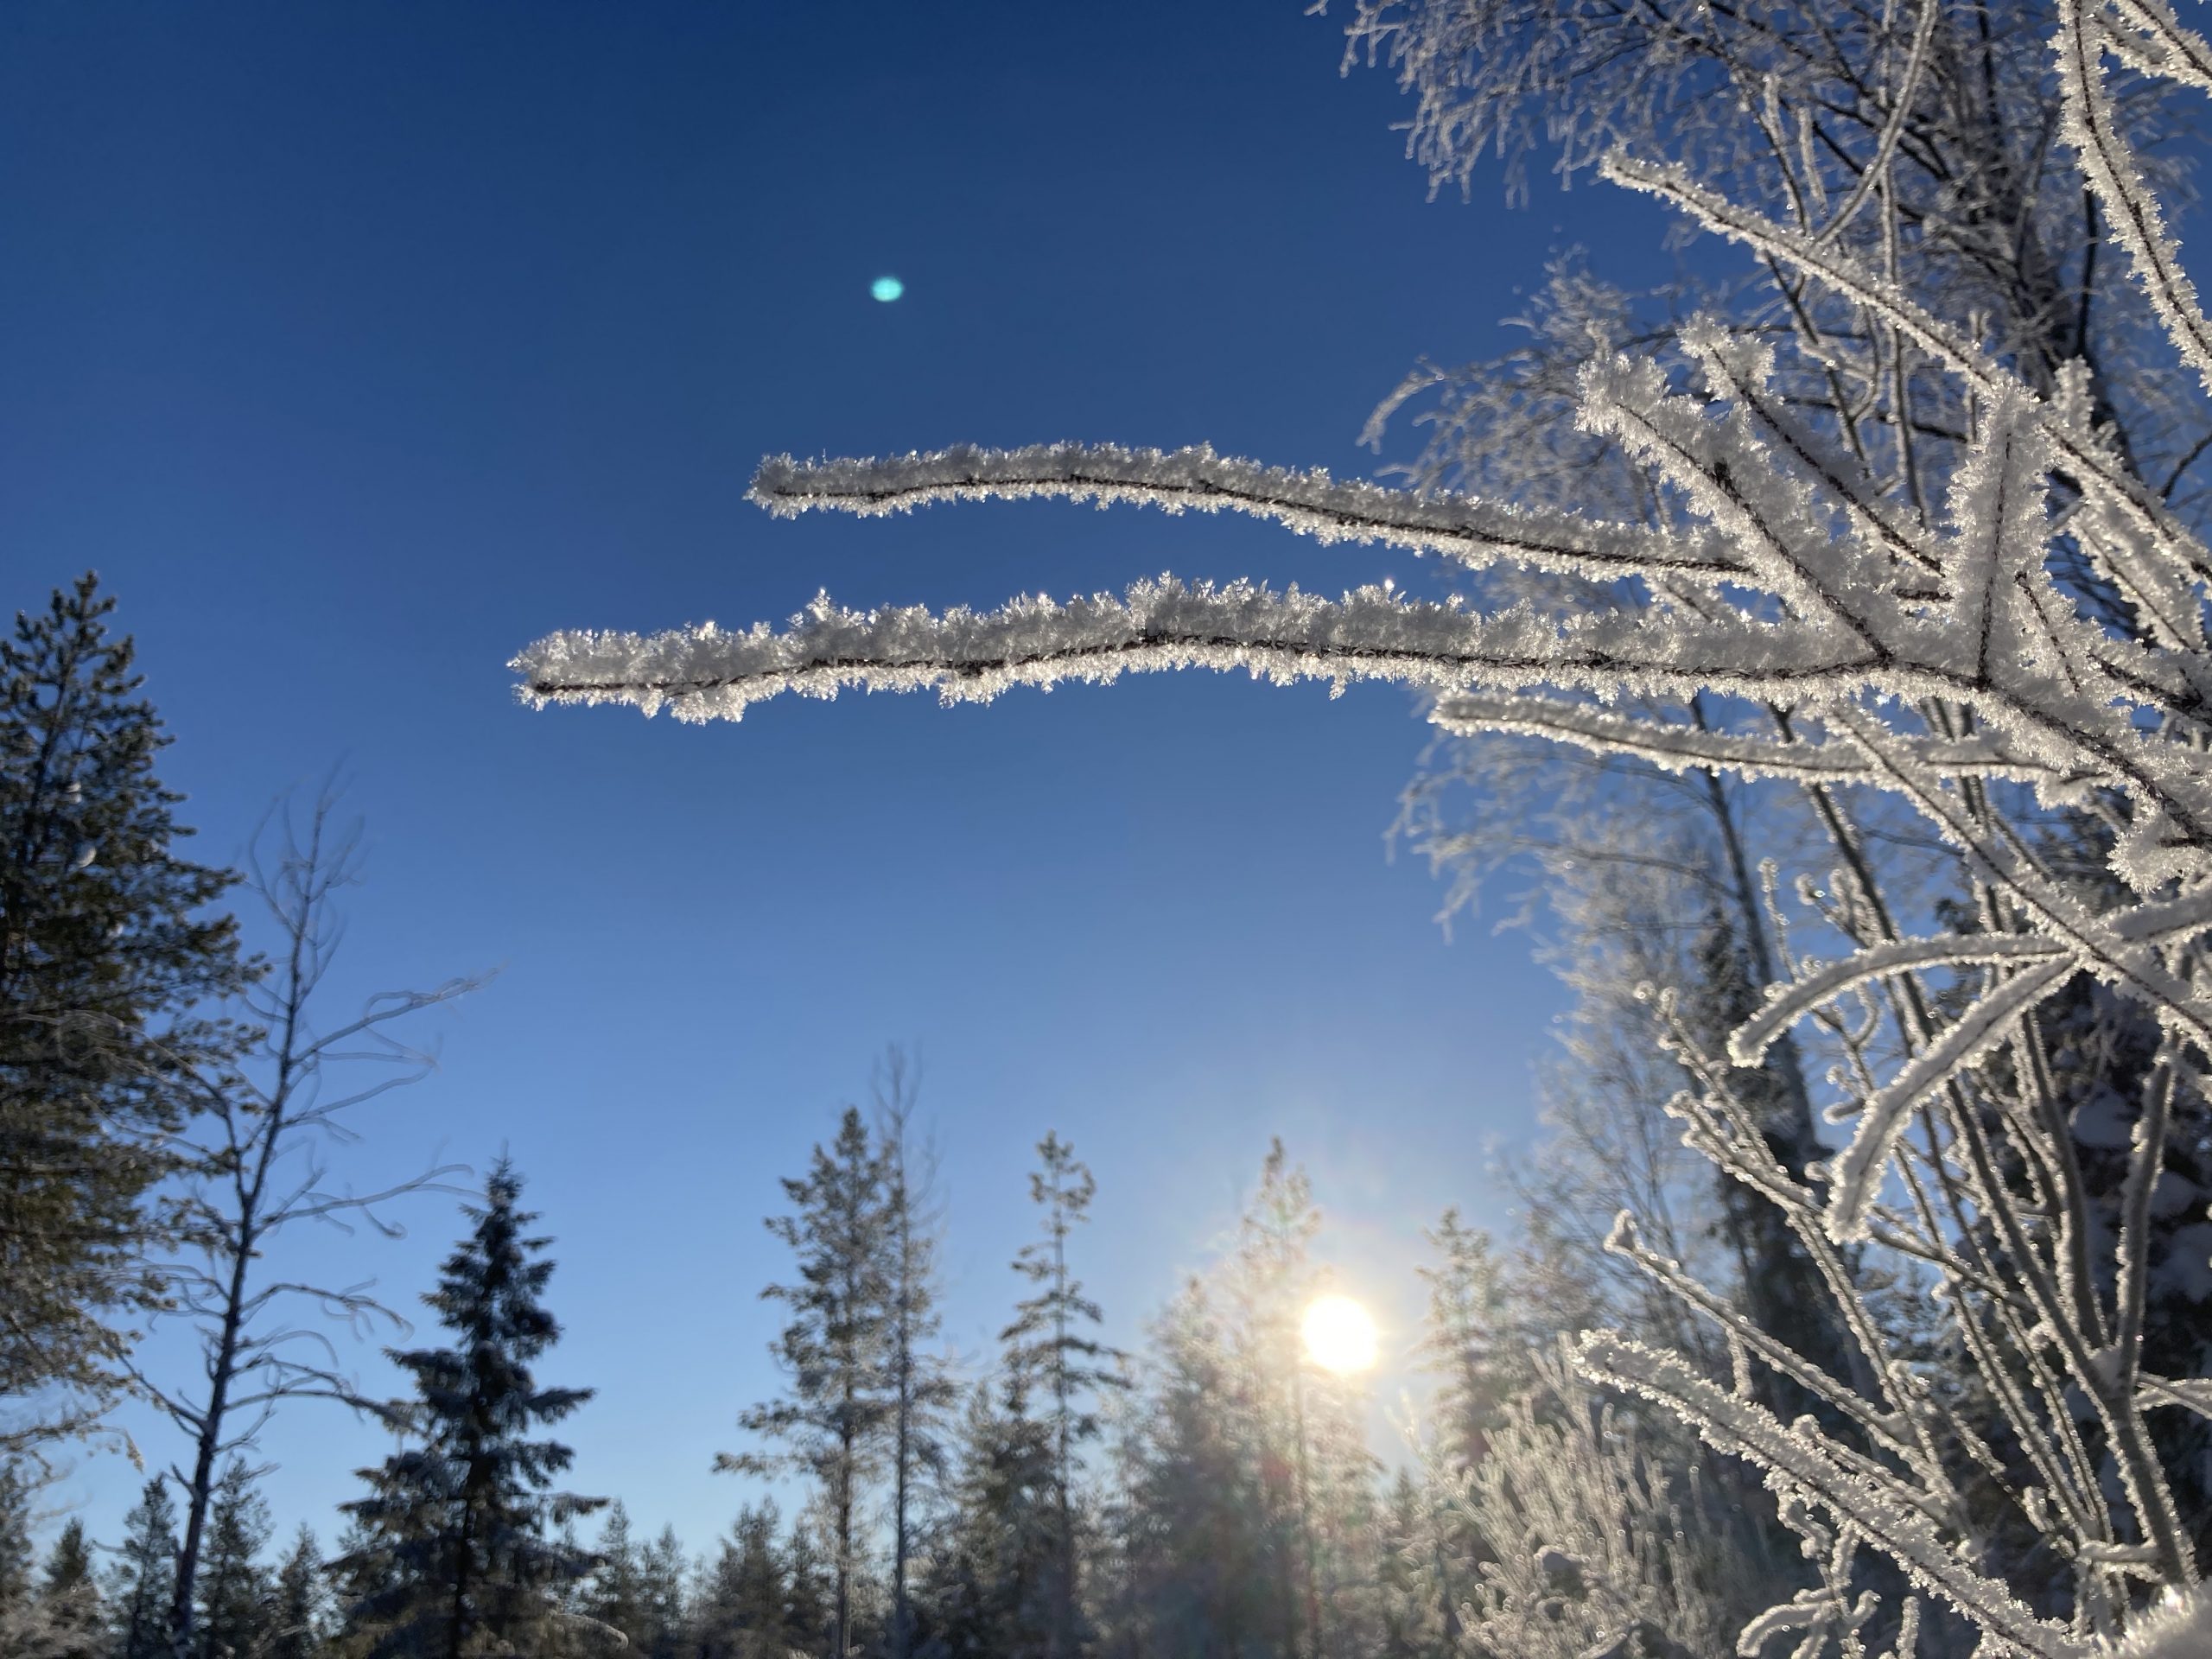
(2005,622)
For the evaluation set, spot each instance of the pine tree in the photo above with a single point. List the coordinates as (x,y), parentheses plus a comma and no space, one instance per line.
(920,1384)
(1048,1352)
(234,1592)
(138,1589)
(455,1543)
(835,1348)
(104,954)
(300,1608)
(69,1598)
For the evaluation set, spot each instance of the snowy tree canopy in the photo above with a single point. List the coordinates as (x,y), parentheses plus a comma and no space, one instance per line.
(1932,648)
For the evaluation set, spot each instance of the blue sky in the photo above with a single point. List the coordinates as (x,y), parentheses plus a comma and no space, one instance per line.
(358,346)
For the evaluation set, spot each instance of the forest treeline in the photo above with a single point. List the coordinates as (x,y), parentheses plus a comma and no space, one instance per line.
(1212,1491)
(164,1091)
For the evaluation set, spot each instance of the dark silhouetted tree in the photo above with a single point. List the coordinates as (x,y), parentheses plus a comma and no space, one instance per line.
(144,1573)
(235,1591)
(455,1555)
(299,1621)
(260,1155)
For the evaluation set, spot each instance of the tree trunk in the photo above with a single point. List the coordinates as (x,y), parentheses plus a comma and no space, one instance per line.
(209,1441)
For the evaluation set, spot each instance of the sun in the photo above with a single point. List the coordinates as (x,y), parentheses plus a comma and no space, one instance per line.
(1339,1335)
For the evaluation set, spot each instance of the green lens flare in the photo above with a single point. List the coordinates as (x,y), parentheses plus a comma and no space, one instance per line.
(887,289)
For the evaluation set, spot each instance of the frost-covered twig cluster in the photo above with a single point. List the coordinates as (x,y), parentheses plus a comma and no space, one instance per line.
(1871,641)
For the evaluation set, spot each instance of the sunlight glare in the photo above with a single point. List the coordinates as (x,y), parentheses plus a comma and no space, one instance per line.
(1339,1335)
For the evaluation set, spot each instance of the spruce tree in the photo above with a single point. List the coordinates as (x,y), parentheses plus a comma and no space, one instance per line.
(362,1576)
(299,1616)
(234,1592)
(455,1555)
(49,1614)
(105,952)
(831,1425)
(1465,1346)
(1464,1340)
(69,1598)
(1048,1352)
(139,1587)
(745,1602)
(616,1595)
(810,1617)
(662,1579)
(1201,1532)
(993,1587)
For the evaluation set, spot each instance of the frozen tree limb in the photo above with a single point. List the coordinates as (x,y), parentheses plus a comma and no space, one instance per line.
(1908,627)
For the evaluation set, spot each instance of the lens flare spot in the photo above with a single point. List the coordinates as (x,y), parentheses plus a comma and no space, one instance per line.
(887,289)
(1339,1335)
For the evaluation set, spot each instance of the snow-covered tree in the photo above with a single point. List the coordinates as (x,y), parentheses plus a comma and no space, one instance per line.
(1466,1342)
(1945,578)
(106,953)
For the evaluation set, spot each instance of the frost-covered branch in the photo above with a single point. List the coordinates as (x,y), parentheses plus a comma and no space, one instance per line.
(1797,1458)
(1196,480)
(1939,579)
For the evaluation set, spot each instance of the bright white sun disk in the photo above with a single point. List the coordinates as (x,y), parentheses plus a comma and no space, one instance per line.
(1339,1335)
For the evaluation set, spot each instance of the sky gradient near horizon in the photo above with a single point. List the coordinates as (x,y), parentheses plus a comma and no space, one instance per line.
(359,346)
